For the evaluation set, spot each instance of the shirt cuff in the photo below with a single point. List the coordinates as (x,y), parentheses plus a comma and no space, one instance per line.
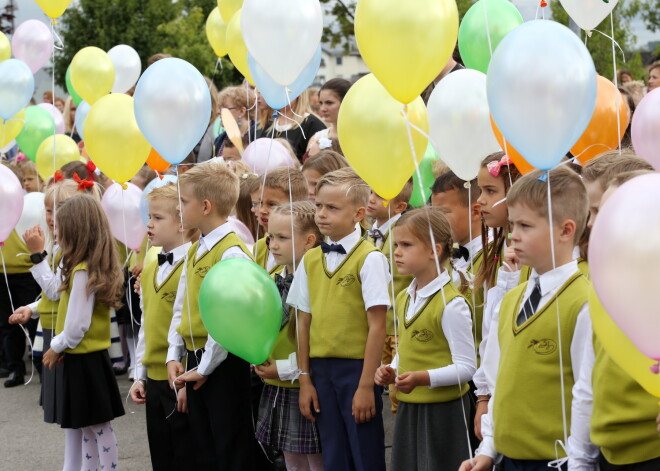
(57,344)
(33,308)
(508,279)
(174,354)
(487,448)
(140,372)
(288,369)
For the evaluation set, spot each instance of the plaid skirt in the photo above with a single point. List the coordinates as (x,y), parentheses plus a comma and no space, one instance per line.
(282,426)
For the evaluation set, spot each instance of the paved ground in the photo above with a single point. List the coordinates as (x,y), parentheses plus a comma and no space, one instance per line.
(26,442)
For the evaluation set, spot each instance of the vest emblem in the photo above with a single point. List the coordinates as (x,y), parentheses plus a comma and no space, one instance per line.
(202,271)
(423,335)
(169,297)
(543,346)
(346,281)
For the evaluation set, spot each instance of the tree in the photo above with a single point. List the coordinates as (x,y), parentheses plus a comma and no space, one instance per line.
(650,12)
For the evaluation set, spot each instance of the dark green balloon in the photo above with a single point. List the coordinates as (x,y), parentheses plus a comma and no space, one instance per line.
(426,170)
(74,95)
(39,125)
(241,308)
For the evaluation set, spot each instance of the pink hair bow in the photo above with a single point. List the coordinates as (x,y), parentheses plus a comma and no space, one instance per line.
(20,157)
(495,167)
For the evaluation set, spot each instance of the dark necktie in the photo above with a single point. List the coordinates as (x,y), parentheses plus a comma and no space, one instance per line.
(462,252)
(162,258)
(376,235)
(283,285)
(327,248)
(532,303)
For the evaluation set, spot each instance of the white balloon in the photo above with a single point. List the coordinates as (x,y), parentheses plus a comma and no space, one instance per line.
(127,67)
(283,35)
(33,213)
(459,122)
(588,13)
(81,117)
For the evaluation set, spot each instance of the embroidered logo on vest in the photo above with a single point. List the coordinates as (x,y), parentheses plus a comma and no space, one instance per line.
(202,271)
(423,335)
(543,346)
(346,281)
(169,297)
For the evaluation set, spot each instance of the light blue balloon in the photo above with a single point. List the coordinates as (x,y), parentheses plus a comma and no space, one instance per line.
(172,106)
(81,116)
(274,93)
(155,183)
(541,88)
(16,87)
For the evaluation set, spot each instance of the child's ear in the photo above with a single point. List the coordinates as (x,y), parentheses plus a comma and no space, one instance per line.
(310,241)
(476,210)
(567,230)
(360,213)
(400,207)
(207,207)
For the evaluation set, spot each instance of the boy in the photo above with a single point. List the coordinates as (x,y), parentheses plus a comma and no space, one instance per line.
(170,443)
(219,401)
(278,185)
(385,218)
(341,291)
(526,412)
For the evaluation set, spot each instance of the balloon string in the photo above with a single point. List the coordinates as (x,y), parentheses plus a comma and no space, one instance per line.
(614,43)
(616,83)
(490,44)
(468,185)
(291,119)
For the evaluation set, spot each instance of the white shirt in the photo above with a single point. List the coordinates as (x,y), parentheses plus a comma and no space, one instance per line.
(48,280)
(384,229)
(550,282)
(374,274)
(214,354)
(473,247)
(456,324)
(78,314)
(163,272)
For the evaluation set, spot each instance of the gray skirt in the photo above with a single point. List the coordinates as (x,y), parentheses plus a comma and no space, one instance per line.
(431,437)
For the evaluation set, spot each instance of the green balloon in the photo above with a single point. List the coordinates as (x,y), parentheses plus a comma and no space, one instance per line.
(39,125)
(426,170)
(473,44)
(74,95)
(241,308)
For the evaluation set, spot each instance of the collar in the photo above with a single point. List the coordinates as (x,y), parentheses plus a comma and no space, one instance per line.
(433,287)
(553,279)
(387,225)
(349,241)
(179,252)
(216,235)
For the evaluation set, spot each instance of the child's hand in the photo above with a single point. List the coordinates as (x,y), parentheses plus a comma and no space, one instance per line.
(308,399)
(139,392)
(52,358)
(409,381)
(384,375)
(190,377)
(511,262)
(482,408)
(182,401)
(20,315)
(364,404)
(478,463)
(137,285)
(267,370)
(136,270)
(34,239)
(174,370)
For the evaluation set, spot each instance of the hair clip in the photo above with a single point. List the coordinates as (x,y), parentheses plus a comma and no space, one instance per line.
(82,184)
(59,176)
(495,167)
(325,143)
(20,157)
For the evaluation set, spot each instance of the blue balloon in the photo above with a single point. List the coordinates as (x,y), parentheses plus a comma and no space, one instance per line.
(155,183)
(541,88)
(81,116)
(274,93)
(172,107)
(16,87)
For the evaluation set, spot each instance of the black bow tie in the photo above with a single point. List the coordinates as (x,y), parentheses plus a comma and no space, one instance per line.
(165,257)
(283,284)
(326,248)
(375,234)
(462,252)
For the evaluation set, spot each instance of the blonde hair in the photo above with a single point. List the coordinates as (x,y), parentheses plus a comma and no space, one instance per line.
(69,122)
(288,180)
(325,161)
(357,190)
(302,213)
(606,166)
(94,246)
(405,193)
(28,168)
(214,182)
(170,194)
(625,177)
(66,189)
(241,97)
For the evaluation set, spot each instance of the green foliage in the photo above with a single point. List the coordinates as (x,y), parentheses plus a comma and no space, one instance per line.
(650,12)
(636,67)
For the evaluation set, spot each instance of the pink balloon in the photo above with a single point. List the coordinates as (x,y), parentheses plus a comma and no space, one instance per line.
(33,44)
(57,116)
(11,202)
(646,128)
(242,231)
(123,210)
(624,255)
(265,154)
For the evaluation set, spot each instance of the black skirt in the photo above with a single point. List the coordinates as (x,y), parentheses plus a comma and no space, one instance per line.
(86,392)
(48,381)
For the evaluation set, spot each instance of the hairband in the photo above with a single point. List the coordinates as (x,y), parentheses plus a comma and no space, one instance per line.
(82,184)
(495,167)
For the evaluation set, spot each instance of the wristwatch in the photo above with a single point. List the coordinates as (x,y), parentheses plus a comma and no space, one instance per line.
(38,257)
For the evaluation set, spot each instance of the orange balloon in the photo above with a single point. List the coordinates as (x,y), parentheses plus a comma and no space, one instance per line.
(156,162)
(518,160)
(601,134)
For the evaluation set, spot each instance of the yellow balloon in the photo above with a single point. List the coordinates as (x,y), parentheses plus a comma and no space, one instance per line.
(53,8)
(216,33)
(373,134)
(236,47)
(5,47)
(113,140)
(92,73)
(228,8)
(11,128)
(621,349)
(54,152)
(406,44)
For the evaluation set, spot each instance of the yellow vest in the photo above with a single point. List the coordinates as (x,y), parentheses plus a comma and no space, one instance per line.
(424,346)
(339,326)
(478,301)
(261,253)
(192,328)
(158,301)
(97,338)
(47,308)
(15,263)
(527,412)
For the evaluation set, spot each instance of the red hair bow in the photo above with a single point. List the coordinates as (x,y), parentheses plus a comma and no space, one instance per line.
(495,167)
(59,176)
(90,166)
(82,184)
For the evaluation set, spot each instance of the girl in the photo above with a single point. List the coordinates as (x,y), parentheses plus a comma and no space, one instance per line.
(436,356)
(318,165)
(280,423)
(86,393)
(31,179)
(331,95)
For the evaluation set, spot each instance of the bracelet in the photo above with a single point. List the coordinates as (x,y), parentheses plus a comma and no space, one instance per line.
(482,400)
(304,373)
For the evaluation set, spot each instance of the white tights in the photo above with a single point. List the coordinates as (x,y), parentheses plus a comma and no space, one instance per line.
(95,445)
(296,462)
(72,449)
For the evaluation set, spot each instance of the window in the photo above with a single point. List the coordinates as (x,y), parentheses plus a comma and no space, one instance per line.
(339,60)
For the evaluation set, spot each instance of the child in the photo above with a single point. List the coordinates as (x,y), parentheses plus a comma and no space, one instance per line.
(342,295)
(170,443)
(87,397)
(385,216)
(280,186)
(436,356)
(542,326)
(31,179)
(318,165)
(220,400)
(280,423)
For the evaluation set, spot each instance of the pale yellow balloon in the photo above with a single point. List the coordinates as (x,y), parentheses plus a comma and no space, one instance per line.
(53,8)
(228,8)
(216,33)
(236,47)
(92,73)
(54,152)
(11,128)
(113,140)
(5,47)
(406,44)
(373,133)
(231,128)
